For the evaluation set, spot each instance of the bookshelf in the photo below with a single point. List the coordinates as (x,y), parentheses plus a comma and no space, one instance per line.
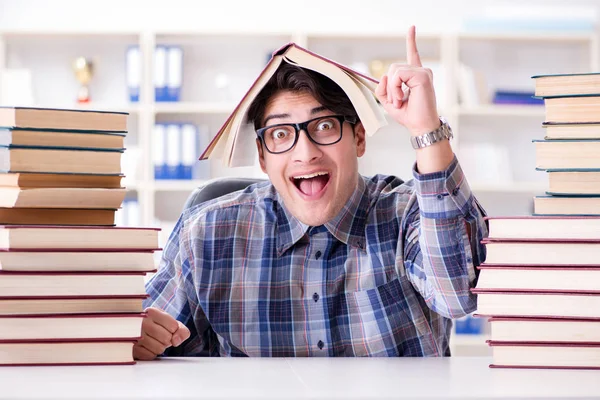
(214,80)
(206,104)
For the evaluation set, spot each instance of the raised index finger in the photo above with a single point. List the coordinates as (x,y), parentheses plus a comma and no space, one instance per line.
(412,54)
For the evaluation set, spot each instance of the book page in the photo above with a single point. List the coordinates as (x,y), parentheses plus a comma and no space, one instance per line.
(236,155)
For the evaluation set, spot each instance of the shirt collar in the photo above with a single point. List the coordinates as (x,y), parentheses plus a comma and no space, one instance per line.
(289,228)
(348,226)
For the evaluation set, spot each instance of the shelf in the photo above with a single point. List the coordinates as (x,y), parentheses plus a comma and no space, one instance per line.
(517,187)
(28,33)
(529,36)
(382,35)
(49,52)
(177,185)
(193,108)
(503,110)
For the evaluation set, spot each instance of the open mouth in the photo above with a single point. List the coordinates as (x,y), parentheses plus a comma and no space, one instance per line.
(311,184)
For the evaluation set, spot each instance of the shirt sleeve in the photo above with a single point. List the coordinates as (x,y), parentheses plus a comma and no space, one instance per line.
(443,226)
(172,290)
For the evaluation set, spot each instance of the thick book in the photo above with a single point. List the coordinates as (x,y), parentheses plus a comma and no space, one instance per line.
(543,252)
(77,237)
(545,355)
(567,205)
(77,139)
(63,119)
(566,84)
(544,330)
(41,160)
(68,352)
(57,216)
(575,130)
(71,305)
(70,284)
(108,260)
(573,182)
(61,198)
(562,154)
(575,108)
(15,328)
(537,304)
(235,140)
(505,278)
(60,180)
(543,227)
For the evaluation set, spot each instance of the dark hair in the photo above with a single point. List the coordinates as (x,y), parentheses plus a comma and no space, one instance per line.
(296,79)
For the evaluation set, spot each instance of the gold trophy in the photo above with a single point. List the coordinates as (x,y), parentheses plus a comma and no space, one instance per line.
(83,68)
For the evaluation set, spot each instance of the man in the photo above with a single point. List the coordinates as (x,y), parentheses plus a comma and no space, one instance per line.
(321,261)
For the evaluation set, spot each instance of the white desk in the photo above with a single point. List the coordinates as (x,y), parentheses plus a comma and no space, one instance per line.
(220,378)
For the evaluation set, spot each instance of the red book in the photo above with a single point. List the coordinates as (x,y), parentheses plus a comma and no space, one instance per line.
(546,355)
(35,305)
(544,330)
(71,284)
(504,278)
(141,260)
(543,251)
(537,304)
(77,237)
(73,327)
(544,227)
(118,351)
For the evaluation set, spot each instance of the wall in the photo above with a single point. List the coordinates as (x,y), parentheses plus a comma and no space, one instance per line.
(267,15)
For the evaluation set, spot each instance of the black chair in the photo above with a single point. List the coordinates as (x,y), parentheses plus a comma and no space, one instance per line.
(208,191)
(218,187)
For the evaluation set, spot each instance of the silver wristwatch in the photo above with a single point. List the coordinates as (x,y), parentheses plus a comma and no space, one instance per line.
(443,132)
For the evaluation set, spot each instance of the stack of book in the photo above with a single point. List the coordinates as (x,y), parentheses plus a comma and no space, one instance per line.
(540,283)
(570,150)
(71,283)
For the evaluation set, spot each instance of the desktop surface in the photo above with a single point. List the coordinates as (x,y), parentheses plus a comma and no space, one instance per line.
(301,378)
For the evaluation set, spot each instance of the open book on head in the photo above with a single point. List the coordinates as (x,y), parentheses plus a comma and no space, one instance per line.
(235,141)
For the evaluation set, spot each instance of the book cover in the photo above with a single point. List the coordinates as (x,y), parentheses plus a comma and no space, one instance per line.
(239,137)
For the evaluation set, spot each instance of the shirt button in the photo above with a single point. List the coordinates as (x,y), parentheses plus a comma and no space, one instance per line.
(318,255)
(316,297)
(320,344)
(455,192)
(440,197)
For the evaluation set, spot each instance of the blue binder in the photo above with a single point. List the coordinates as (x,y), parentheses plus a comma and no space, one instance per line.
(173,159)
(174,73)
(133,72)
(159,151)
(160,73)
(189,150)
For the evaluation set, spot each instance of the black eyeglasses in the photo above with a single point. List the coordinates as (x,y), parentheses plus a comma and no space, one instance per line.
(323,131)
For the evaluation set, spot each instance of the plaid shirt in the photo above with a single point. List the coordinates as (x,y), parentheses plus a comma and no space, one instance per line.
(383,278)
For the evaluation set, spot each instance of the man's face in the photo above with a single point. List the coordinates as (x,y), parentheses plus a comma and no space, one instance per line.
(314,181)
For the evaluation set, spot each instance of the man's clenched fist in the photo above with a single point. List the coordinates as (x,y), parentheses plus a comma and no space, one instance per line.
(159,331)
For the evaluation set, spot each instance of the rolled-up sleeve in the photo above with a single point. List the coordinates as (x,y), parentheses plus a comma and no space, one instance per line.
(443,226)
